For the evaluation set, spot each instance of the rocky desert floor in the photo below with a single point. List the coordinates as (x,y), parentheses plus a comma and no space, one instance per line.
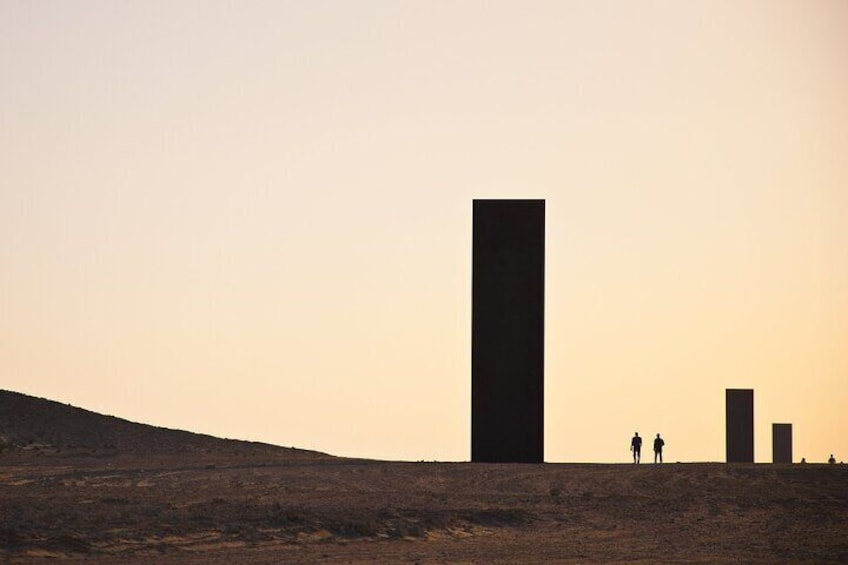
(82,487)
(239,508)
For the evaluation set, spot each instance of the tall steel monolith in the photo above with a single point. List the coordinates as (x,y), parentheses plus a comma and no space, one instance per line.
(508,331)
(781,443)
(740,425)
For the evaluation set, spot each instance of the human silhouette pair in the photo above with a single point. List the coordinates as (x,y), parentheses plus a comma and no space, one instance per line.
(636,448)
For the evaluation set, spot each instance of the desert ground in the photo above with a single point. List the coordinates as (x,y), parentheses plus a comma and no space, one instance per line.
(80,487)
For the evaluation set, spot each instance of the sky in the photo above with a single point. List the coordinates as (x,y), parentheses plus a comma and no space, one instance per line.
(253,219)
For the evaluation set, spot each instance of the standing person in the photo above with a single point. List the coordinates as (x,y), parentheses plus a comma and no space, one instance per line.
(832,459)
(658,445)
(636,448)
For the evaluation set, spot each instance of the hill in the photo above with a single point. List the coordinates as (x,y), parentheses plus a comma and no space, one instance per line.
(37,425)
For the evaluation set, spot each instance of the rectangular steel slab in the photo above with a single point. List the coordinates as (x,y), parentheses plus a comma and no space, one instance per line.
(740,425)
(781,443)
(508,331)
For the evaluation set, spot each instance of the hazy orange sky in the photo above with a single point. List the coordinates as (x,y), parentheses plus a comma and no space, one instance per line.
(253,219)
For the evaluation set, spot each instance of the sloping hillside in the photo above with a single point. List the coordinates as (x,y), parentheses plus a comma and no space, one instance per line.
(38,425)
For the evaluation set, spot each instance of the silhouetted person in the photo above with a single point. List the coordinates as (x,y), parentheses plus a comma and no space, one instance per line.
(636,448)
(658,445)
(803,460)
(832,459)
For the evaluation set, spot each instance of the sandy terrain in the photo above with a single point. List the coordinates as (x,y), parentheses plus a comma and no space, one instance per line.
(140,510)
(236,502)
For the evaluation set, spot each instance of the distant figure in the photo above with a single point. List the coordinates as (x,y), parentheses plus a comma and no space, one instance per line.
(832,459)
(803,460)
(636,448)
(658,445)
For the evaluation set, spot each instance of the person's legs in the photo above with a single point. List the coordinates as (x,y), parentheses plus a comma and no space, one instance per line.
(660,454)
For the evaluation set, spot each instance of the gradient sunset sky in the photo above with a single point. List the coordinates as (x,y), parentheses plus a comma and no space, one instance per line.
(253,219)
